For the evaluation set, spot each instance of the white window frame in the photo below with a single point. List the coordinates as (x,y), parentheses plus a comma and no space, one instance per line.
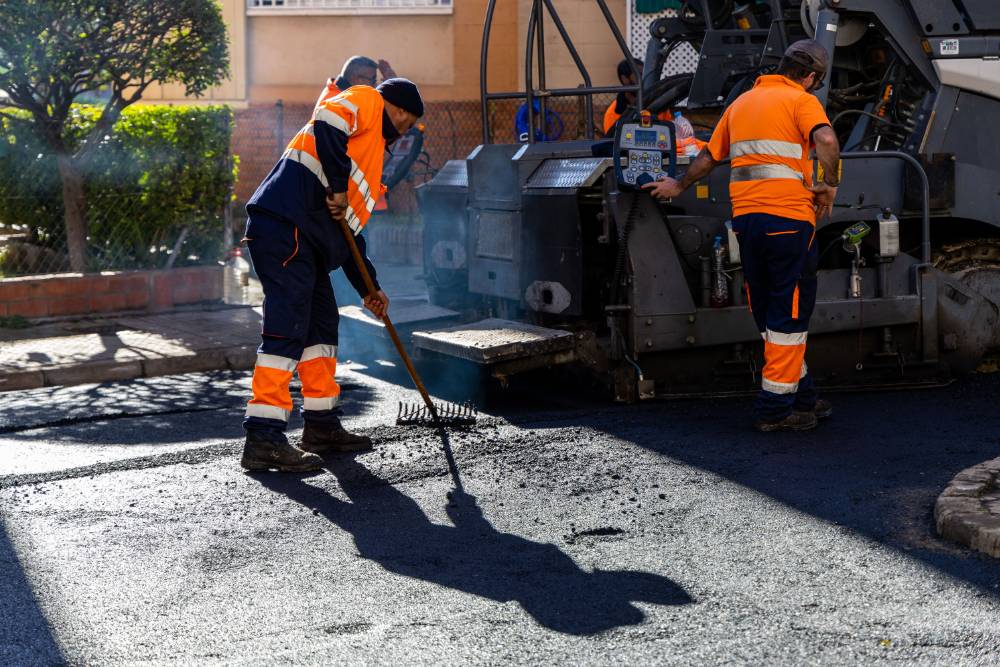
(349,7)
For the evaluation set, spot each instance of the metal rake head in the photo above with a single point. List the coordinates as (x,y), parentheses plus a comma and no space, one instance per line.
(448,414)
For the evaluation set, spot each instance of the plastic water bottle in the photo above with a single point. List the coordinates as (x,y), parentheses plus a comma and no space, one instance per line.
(720,285)
(235,277)
(685,135)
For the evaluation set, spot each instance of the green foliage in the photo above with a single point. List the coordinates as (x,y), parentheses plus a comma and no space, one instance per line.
(160,170)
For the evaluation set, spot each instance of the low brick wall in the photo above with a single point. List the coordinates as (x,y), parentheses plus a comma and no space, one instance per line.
(65,294)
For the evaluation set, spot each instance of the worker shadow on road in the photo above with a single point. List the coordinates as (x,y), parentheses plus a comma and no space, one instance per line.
(472,556)
(25,634)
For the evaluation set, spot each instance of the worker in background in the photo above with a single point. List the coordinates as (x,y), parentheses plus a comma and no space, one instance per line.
(768,132)
(357,71)
(624,99)
(331,170)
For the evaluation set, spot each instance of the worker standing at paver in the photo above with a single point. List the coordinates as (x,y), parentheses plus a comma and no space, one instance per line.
(768,132)
(331,170)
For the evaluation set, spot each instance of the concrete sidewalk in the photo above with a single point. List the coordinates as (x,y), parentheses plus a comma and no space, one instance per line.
(129,346)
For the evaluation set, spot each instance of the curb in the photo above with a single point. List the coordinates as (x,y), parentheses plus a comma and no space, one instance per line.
(968,511)
(232,358)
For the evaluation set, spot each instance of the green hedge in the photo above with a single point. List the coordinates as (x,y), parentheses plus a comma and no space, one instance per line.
(161,169)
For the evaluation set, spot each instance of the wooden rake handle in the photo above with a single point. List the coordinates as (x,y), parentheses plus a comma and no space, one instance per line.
(370,286)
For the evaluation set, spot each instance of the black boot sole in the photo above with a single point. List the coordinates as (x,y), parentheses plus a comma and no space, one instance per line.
(261,465)
(324,450)
(764,427)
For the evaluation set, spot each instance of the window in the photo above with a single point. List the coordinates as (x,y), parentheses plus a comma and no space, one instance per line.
(263,7)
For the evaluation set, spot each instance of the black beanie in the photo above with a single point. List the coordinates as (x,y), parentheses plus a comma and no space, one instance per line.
(404,94)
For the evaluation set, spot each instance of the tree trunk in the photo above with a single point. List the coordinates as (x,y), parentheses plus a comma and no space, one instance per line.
(74,205)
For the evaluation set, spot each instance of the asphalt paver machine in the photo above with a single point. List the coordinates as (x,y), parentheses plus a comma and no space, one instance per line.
(545,254)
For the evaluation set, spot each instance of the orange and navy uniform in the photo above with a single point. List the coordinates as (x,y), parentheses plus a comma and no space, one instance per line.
(768,132)
(333,88)
(294,244)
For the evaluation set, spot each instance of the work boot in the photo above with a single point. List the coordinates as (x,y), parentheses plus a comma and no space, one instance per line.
(797,421)
(322,438)
(270,449)
(822,409)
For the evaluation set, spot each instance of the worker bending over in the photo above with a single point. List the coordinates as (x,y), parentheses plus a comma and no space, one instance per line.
(331,170)
(768,132)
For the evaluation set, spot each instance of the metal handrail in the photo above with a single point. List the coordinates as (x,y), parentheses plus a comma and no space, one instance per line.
(530,93)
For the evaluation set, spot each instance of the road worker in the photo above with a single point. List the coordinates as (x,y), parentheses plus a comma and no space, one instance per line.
(624,99)
(768,132)
(357,71)
(331,170)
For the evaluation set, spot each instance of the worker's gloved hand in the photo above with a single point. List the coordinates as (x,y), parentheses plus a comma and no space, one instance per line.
(377,304)
(664,189)
(823,198)
(386,70)
(336,202)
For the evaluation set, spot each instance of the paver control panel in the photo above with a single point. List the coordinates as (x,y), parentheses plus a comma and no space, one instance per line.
(645,152)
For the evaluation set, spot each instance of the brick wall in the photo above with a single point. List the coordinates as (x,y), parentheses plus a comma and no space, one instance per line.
(65,294)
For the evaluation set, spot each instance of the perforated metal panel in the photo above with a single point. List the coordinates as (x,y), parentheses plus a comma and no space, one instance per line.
(568,173)
(683,59)
(453,174)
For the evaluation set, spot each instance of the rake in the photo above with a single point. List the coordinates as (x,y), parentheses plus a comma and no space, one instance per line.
(412,414)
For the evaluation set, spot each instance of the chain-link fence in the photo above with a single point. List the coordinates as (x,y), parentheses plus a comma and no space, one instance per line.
(152,194)
(123,232)
(452,130)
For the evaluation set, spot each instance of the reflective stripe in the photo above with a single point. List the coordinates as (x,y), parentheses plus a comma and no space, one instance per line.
(805,369)
(779,338)
(766,147)
(316,351)
(279,363)
(361,181)
(327,403)
(336,120)
(347,104)
(307,161)
(779,387)
(759,172)
(353,221)
(266,411)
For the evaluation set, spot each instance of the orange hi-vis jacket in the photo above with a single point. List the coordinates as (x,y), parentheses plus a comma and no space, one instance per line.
(341,149)
(333,88)
(768,133)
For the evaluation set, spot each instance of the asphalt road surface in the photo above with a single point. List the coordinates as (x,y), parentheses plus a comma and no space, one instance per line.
(564,531)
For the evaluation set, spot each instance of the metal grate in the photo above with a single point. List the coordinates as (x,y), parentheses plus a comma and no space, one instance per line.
(568,173)
(352,6)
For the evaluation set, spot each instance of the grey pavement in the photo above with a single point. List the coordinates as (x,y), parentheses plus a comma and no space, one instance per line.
(132,345)
(662,533)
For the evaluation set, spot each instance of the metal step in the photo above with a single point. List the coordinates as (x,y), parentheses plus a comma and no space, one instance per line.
(494,342)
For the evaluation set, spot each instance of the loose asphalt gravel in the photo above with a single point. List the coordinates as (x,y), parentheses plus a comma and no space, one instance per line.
(560,530)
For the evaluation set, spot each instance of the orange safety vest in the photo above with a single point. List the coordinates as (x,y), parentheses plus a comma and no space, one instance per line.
(357,112)
(768,133)
(331,90)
